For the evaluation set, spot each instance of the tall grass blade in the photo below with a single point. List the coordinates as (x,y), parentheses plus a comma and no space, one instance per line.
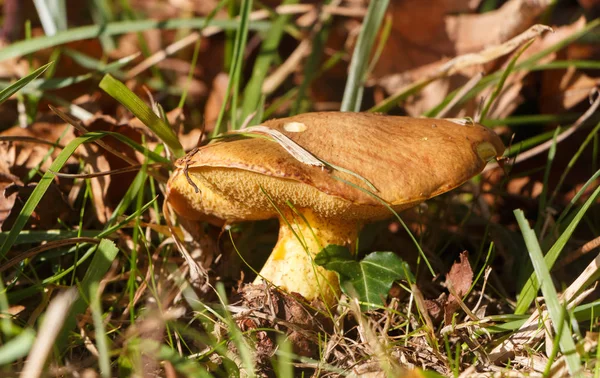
(102,343)
(104,256)
(17,347)
(14,87)
(360,58)
(102,15)
(142,111)
(555,308)
(115,28)
(235,70)
(268,51)
(509,69)
(236,334)
(318,38)
(544,195)
(40,189)
(529,291)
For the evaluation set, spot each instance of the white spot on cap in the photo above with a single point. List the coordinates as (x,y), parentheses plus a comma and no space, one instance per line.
(294,127)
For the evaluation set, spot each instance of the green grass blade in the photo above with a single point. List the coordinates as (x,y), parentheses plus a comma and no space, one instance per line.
(235,70)
(17,348)
(100,331)
(34,236)
(555,308)
(527,64)
(285,367)
(102,14)
(239,52)
(268,51)
(531,119)
(104,255)
(142,111)
(311,67)
(573,160)
(41,188)
(544,195)
(360,58)
(574,200)
(236,334)
(14,88)
(115,28)
(509,69)
(530,289)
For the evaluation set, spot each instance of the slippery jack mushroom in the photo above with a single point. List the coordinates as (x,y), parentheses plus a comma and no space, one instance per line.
(402,161)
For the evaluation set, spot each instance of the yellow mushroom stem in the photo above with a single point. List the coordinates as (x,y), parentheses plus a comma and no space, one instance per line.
(291,267)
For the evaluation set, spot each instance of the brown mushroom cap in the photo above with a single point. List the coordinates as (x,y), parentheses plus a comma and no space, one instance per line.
(408,160)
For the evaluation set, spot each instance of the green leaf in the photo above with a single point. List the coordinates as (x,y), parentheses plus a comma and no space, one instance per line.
(370,279)
(14,87)
(141,110)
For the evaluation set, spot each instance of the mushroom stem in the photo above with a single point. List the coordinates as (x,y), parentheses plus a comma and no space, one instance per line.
(290,266)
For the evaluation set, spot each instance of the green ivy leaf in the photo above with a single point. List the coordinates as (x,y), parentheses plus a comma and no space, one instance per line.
(369,279)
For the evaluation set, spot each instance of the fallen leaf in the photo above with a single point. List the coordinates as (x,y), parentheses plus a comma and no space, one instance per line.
(460,278)
(564,89)
(51,208)
(215,100)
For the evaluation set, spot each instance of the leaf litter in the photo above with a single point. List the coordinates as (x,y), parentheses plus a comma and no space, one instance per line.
(446,46)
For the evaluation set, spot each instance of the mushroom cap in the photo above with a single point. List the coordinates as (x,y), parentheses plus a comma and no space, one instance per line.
(408,160)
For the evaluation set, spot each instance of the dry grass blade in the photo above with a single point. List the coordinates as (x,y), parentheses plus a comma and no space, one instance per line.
(189,40)
(299,153)
(288,67)
(493,52)
(197,274)
(76,124)
(57,313)
(561,137)
(586,278)
(18,138)
(463,91)
(133,168)
(461,62)
(289,145)
(530,331)
(583,250)
(375,347)
(48,246)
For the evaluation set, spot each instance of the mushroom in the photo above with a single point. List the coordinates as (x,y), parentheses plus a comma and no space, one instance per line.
(378,160)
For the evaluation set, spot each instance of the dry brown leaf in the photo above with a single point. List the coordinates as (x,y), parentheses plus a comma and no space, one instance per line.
(107,193)
(460,278)
(215,100)
(23,150)
(564,89)
(426,32)
(52,207)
